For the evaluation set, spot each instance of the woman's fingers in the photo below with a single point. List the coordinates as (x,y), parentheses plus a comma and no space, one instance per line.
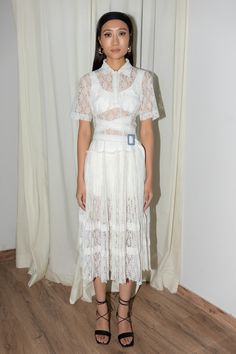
(148,197)
(81,198)
(84,200)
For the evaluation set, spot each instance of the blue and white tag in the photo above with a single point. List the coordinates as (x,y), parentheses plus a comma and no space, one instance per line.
(131,139)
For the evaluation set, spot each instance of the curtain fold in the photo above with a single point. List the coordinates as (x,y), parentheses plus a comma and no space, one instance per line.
(170,209)
(33,216)
(56,42)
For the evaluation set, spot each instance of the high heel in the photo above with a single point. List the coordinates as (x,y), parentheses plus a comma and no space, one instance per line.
(128,318)
(102,331)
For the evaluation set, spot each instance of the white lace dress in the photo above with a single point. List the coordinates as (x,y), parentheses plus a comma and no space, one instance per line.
(113,237)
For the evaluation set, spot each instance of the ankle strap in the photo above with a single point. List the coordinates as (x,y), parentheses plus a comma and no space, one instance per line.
(101,302)
(127,301)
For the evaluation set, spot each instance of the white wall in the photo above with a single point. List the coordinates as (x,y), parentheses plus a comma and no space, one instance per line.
(209,244)
(8,127)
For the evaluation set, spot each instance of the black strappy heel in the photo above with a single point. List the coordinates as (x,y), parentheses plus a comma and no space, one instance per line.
(102,331)
(125,334)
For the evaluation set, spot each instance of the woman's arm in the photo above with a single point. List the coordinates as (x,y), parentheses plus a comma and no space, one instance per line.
(83,142)
(147,139)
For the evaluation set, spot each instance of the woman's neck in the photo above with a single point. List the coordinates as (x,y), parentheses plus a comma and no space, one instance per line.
(115,64)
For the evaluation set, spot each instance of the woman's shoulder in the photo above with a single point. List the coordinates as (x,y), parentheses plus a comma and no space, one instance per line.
(146,74)
(85,79)
(86,76)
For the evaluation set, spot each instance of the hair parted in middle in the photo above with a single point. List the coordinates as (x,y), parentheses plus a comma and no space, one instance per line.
(112,15)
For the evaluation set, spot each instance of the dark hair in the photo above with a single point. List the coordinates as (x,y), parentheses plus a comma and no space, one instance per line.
(113,15)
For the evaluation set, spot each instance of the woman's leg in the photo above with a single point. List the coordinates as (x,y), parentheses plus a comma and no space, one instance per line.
(125,294)
(101,323)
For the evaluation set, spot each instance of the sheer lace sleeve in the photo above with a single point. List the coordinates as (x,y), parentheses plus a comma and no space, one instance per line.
(81,108)
(148,108)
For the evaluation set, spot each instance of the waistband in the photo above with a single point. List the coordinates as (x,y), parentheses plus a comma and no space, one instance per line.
(127,138)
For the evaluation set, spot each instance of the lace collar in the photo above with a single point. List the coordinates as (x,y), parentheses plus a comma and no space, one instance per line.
(124,69)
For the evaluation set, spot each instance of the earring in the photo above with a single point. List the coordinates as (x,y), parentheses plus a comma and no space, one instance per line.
(100,51)
(129,49)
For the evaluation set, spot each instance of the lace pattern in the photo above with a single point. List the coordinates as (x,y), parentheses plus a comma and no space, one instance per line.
(148,108)
(99,106)
(126,81)
(113,246)
(112,114)
(81,104)
(113,132)
(105,80)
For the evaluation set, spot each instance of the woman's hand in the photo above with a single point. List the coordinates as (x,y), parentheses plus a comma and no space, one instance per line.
(81,194)
(148,193)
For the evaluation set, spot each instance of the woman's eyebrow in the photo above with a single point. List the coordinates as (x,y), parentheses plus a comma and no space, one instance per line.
(111,29)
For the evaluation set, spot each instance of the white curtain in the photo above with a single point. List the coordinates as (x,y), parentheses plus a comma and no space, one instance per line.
(56,41)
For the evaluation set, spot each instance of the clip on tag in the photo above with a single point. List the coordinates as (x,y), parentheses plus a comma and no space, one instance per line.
(131,139)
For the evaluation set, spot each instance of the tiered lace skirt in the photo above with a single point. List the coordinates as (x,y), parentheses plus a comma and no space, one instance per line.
(113,237)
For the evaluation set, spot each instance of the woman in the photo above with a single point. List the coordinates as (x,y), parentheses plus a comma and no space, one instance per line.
(114,185)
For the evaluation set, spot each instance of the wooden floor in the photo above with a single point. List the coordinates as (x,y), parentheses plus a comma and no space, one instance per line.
(40,320)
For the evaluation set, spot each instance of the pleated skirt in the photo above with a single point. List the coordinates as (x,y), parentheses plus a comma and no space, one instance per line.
(113,235)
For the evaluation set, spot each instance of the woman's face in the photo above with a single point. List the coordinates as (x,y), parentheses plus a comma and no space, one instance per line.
(114,39)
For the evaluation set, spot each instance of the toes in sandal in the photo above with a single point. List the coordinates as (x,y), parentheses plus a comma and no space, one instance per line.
(125,334)
(102,331)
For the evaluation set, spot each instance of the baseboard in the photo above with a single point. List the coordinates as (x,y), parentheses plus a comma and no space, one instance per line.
(7,256)
(212,310)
